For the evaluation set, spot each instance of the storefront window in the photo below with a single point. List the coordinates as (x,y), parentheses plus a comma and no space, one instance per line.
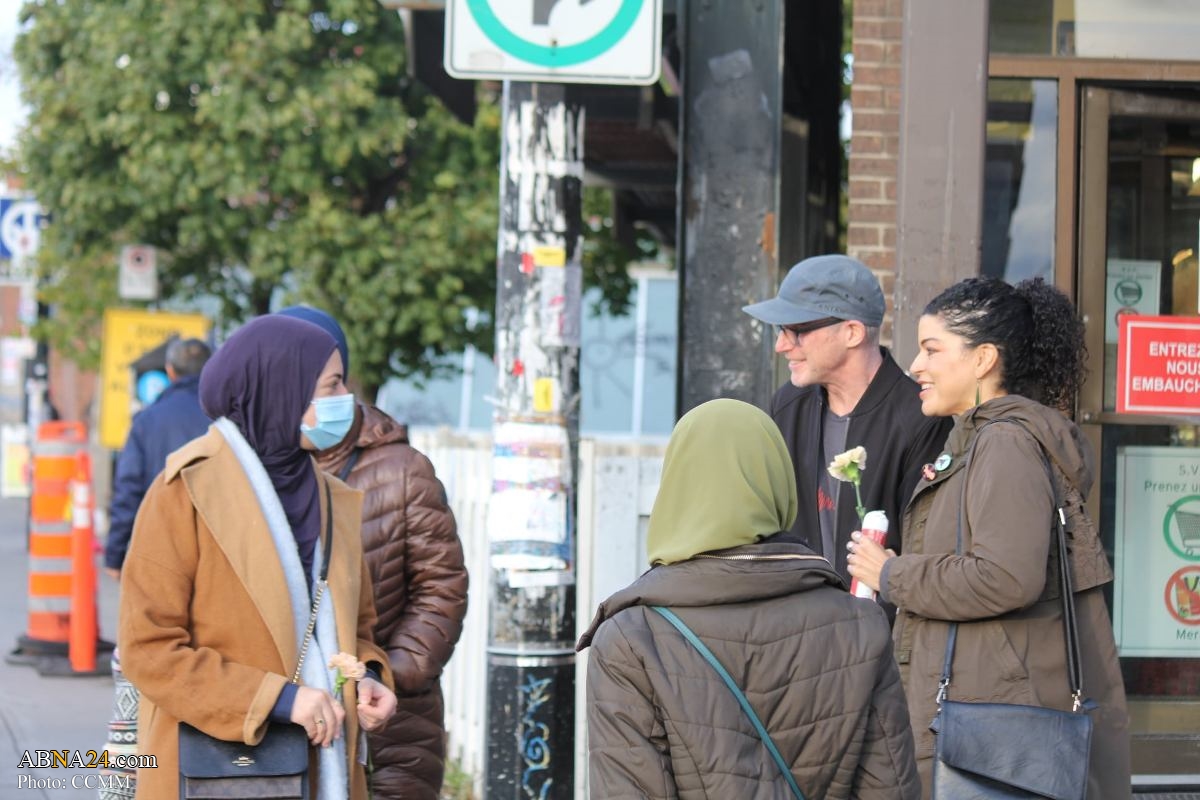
(1148,143)
(1153,217)
(1019,179)
(1160,30)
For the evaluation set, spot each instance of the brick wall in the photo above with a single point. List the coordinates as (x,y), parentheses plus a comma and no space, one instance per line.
(875,139)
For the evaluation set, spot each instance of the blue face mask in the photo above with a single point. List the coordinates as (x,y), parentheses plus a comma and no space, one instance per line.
(335,415)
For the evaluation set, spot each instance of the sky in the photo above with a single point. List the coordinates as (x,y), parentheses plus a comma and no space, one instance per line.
(12,114)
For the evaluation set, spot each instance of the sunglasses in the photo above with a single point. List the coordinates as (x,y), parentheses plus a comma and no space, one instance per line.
(792,333)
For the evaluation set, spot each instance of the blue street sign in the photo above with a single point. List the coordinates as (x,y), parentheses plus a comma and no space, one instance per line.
(21,223)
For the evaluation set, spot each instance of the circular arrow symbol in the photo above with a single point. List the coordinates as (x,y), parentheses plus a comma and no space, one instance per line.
(19,228)
(550,56)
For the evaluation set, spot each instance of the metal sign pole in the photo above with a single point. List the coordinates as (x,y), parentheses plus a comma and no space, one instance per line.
(531,513)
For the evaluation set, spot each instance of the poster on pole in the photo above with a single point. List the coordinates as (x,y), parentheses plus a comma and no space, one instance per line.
(1156,597)
(14,461)
(529,514)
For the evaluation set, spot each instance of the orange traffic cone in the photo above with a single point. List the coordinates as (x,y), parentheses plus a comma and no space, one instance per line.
(83,627)
(54,451)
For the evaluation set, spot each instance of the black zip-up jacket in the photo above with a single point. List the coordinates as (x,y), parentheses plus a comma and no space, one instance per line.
(899,440)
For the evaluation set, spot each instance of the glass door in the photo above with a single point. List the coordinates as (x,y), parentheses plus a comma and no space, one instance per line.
(1139,237)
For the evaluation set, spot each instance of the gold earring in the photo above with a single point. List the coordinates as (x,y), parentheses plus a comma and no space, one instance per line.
(978,383)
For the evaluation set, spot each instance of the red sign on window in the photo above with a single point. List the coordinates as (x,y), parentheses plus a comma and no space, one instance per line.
(1158,365)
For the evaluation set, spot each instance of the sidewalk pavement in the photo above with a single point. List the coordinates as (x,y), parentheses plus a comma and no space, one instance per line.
(48,713)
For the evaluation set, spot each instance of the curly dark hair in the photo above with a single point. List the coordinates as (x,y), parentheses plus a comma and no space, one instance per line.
(1034,327)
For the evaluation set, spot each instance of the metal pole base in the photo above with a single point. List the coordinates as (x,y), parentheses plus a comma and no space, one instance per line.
(531,727)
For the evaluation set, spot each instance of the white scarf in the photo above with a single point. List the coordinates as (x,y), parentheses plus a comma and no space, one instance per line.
(332,772)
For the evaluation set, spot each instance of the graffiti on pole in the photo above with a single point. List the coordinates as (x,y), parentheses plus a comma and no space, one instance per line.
(535,745)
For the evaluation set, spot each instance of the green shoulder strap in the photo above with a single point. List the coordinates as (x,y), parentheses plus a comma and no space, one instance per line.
(670,617)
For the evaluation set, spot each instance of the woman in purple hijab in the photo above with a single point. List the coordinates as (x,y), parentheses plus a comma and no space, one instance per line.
(226,572)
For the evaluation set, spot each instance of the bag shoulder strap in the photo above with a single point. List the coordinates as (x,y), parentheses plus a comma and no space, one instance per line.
(344,472)
(680,626)
(1066,590)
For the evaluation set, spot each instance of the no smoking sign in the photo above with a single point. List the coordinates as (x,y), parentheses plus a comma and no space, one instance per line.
(572,41)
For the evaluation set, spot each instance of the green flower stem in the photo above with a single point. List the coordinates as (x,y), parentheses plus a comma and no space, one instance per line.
(862,511)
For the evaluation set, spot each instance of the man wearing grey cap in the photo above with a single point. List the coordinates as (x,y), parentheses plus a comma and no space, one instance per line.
(845,391)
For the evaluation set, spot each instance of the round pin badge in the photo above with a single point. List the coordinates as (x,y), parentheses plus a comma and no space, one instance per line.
(942,462)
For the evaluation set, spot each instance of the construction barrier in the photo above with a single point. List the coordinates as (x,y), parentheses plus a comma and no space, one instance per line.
(84,626)
(54,463)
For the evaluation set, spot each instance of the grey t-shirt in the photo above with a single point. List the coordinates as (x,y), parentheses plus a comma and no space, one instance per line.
(834,442)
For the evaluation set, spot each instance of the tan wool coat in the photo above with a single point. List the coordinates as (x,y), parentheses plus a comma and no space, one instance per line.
(1003,591)
(206,628)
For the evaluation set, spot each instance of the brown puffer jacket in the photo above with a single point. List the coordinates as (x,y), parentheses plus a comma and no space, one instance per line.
(415,558)
(815,664)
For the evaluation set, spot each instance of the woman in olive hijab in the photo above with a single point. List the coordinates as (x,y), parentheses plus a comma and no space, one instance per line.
(814,662)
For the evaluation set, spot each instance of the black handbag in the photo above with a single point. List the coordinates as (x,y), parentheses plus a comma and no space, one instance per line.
(1007,750)
(277,767)
(212,768)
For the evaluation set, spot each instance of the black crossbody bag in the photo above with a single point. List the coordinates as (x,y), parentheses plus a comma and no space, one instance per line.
(1007,750)
(277,767)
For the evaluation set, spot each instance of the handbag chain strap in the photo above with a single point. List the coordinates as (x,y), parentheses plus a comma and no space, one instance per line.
(1070,624)
(319,589)
(696,642)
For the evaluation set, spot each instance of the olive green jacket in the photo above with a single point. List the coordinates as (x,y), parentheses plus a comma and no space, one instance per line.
(1004,588)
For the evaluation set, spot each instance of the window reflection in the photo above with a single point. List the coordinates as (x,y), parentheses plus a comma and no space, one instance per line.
(1159,30)
(627,372)
(1019,179)
(1153,215)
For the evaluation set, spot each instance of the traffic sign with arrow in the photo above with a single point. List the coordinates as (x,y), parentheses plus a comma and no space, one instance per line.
(573,41)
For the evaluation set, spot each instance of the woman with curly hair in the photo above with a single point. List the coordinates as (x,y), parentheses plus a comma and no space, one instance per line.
(1004,361)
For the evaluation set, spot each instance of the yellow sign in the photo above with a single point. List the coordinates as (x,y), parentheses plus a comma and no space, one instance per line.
(543,395)
(128,333)
(544,256)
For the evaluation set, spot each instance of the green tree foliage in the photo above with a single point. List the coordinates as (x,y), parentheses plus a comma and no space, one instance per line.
(272,150)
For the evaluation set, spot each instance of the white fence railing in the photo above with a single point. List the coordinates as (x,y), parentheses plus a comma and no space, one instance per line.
(617,484)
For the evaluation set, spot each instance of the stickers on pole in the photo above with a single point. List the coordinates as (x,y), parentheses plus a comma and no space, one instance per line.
(529,515)
(549,256)
(561,291)
(544,395)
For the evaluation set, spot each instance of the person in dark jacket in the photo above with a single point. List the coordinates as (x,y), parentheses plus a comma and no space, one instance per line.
(814,662)
(1002,361)
(412,549)
(167,424)
(170,422)
(845,391)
